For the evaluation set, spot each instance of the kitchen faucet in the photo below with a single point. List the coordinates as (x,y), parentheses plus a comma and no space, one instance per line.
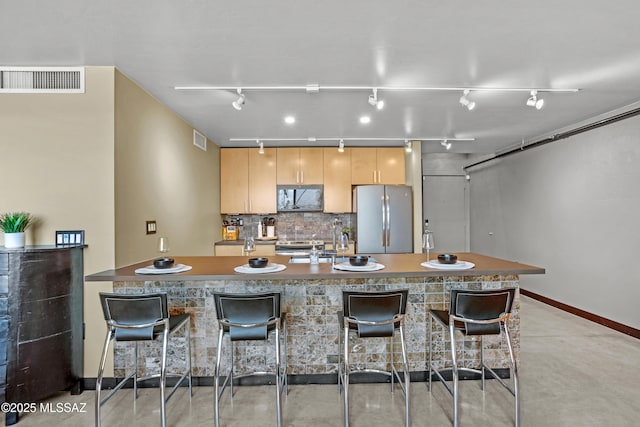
(336,224)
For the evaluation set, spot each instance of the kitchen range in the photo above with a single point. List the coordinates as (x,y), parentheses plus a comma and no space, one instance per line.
(298,247)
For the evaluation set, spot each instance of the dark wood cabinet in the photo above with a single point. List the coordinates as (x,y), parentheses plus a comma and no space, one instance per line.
(41,323)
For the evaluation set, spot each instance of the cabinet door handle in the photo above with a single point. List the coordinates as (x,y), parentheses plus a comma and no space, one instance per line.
(301,177)
(297,177)
(379,177)
(374,177)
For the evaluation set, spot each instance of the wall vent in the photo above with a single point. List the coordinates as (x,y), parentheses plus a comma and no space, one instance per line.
(41,79)
(199,140)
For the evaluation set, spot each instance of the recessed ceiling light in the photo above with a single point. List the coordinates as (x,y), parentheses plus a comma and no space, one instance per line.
(289,120)
(365,119)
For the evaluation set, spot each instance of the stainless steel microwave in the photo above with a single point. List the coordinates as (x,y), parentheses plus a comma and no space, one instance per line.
(300,198)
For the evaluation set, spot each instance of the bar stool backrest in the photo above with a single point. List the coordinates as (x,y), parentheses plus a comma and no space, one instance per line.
(481,305)
(374,307)
(131,310)
(247,309)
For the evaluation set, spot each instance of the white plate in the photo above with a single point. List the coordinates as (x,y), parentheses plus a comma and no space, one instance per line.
(460,265)
(150,269)
(372,266)
(271,268)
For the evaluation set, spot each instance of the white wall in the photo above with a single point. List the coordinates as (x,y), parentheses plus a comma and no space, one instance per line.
(445,200)
(572,207)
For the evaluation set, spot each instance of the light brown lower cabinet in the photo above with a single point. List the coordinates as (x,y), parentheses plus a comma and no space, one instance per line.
(236,250)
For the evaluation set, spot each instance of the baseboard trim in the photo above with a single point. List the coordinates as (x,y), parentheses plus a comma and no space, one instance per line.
(355,378)
(612,324)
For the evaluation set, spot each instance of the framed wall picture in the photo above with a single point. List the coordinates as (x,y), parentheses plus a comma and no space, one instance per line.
(69,237)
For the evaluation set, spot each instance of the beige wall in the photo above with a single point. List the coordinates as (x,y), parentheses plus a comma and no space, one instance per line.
(413,175)
(105,162)
(57,163)
(161,176)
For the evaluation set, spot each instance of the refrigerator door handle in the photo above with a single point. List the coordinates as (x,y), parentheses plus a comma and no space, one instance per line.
(388,219)
(384,220)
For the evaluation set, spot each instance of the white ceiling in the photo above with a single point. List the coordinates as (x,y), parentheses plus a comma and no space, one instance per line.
(587,44)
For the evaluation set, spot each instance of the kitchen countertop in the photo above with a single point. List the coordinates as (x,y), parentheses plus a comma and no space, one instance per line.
(396,265)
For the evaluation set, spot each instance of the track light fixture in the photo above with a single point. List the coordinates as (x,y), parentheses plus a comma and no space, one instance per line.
(319,88)
(446,144)
(374,101)
(341,146)
(260,146)
(465,101)
(534,101)
(408,146)
(238,103)
(346,138)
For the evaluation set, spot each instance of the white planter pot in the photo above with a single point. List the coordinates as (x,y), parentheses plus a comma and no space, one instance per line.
(14,240)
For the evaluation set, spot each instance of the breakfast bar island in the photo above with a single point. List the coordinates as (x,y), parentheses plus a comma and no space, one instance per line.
(312,296)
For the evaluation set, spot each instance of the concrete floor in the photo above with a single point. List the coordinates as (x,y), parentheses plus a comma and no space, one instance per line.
(573,373)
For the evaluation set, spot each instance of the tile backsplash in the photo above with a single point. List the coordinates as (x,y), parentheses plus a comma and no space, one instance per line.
(296,225)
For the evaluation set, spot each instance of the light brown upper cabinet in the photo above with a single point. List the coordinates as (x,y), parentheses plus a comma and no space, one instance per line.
(300,165)
(337,180)
(247,180)
(377,166)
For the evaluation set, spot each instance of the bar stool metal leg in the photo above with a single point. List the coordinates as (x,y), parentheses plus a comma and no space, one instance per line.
(188,338)
(430,349)
(516,376)
(278,377)
(454,373)
(392,341)
(216,379)
(345,380)
(284,355)
(103,359)
(163,377)
(407,379)
(339,359)
(135,371)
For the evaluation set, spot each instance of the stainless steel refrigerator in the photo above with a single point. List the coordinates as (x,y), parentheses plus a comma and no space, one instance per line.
(383,219)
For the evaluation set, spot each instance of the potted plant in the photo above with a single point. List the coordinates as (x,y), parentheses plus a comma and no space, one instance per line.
(13,225)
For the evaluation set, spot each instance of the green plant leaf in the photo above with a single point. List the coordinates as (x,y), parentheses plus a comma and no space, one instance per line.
(15,222)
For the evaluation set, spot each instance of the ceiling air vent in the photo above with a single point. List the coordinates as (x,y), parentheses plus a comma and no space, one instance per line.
(199,140)
(41,79)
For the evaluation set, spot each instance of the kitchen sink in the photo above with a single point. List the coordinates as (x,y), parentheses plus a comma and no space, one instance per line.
(307,260)
(321,259)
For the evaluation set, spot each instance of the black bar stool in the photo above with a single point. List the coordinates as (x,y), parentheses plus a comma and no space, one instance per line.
(250,317)
(373,315)
(475,313)
(142,317)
